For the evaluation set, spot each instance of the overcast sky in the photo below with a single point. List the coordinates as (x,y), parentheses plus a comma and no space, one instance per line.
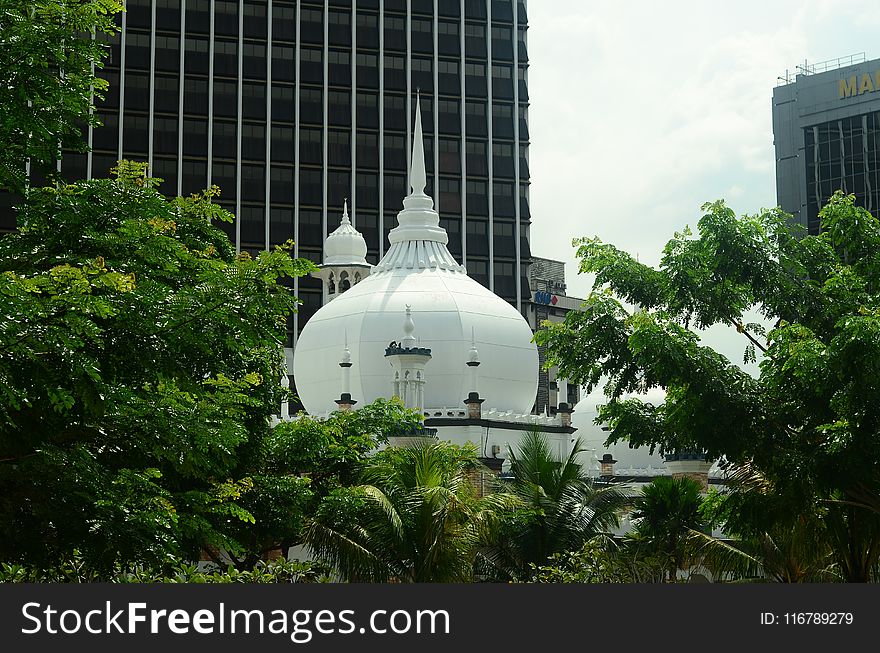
(642,111)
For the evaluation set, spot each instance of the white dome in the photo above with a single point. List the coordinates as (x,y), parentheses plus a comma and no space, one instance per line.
(346,245)
(448,308)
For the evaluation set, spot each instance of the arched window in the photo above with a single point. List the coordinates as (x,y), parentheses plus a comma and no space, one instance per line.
(344,282)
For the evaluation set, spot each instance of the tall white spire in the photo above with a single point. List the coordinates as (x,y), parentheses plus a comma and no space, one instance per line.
(418,177)
(418,240)
(345,218)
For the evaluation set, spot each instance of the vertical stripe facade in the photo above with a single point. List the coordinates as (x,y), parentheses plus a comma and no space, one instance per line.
(290,107)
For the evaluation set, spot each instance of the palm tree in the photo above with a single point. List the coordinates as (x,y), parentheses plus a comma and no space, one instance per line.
(419,519)
(561,507)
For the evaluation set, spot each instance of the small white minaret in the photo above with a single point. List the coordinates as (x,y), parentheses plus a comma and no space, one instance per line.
(473,401)
(285,404)
(345,262)
(408,364)
(345,402)
(563,410)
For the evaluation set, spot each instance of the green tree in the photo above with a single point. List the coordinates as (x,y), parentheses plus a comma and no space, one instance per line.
(415,518)
(140,360)
(602,560)
(48,58)
(299,463)
(560,506)
(810,421)
(664,514)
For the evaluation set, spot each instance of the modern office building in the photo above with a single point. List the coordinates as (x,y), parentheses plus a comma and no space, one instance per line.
(550,303)
(826,129)
(292,107)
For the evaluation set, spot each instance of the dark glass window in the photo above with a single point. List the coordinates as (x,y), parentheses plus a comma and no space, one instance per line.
(282,143)
(842,155)
(477,199)
(226,58)
(226,17)
(395,72)
(283,63)
(280,224)
(225,98)
(194,176)
(195,96)
(450,155)
(476,161)
(223,175)
(339,107)
(254,18)
(450,195)
(395,112)
(137,50)
(310,188)
(475,120)
(282,103)
(167,93)
(164,135)
(395,152)
(135,136)
(367,150)
(253,60)
(225,142)
(196,57)
(166,169)
(311,107)
(106,137)
(281,189)
(252,226)
(253,181)
(310,145)
(137,92)
(502,160)
(253,100)
(253,141)
(167,53)
(367,188)
(195,137)
(368,109)
(338,187)
(339,147)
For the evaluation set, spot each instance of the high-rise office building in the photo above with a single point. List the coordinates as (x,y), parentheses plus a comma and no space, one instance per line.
(292,107)
(826,129)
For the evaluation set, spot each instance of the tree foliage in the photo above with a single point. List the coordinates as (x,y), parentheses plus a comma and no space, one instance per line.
(560,508)
(810,421)
(664,514)
(414,518)
(299,463)
(139,367)
(48,62)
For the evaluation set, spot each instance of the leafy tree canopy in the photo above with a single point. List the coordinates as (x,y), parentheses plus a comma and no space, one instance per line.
(139,367)
(48,62)
(559,509)
(810,421)
(415,517)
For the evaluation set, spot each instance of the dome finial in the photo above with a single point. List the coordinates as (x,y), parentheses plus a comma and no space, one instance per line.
(418,177)
(346,354)
(473,354)
(345,218)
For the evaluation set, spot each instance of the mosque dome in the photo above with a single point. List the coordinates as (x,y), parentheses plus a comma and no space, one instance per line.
(346,245)
(450,313)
